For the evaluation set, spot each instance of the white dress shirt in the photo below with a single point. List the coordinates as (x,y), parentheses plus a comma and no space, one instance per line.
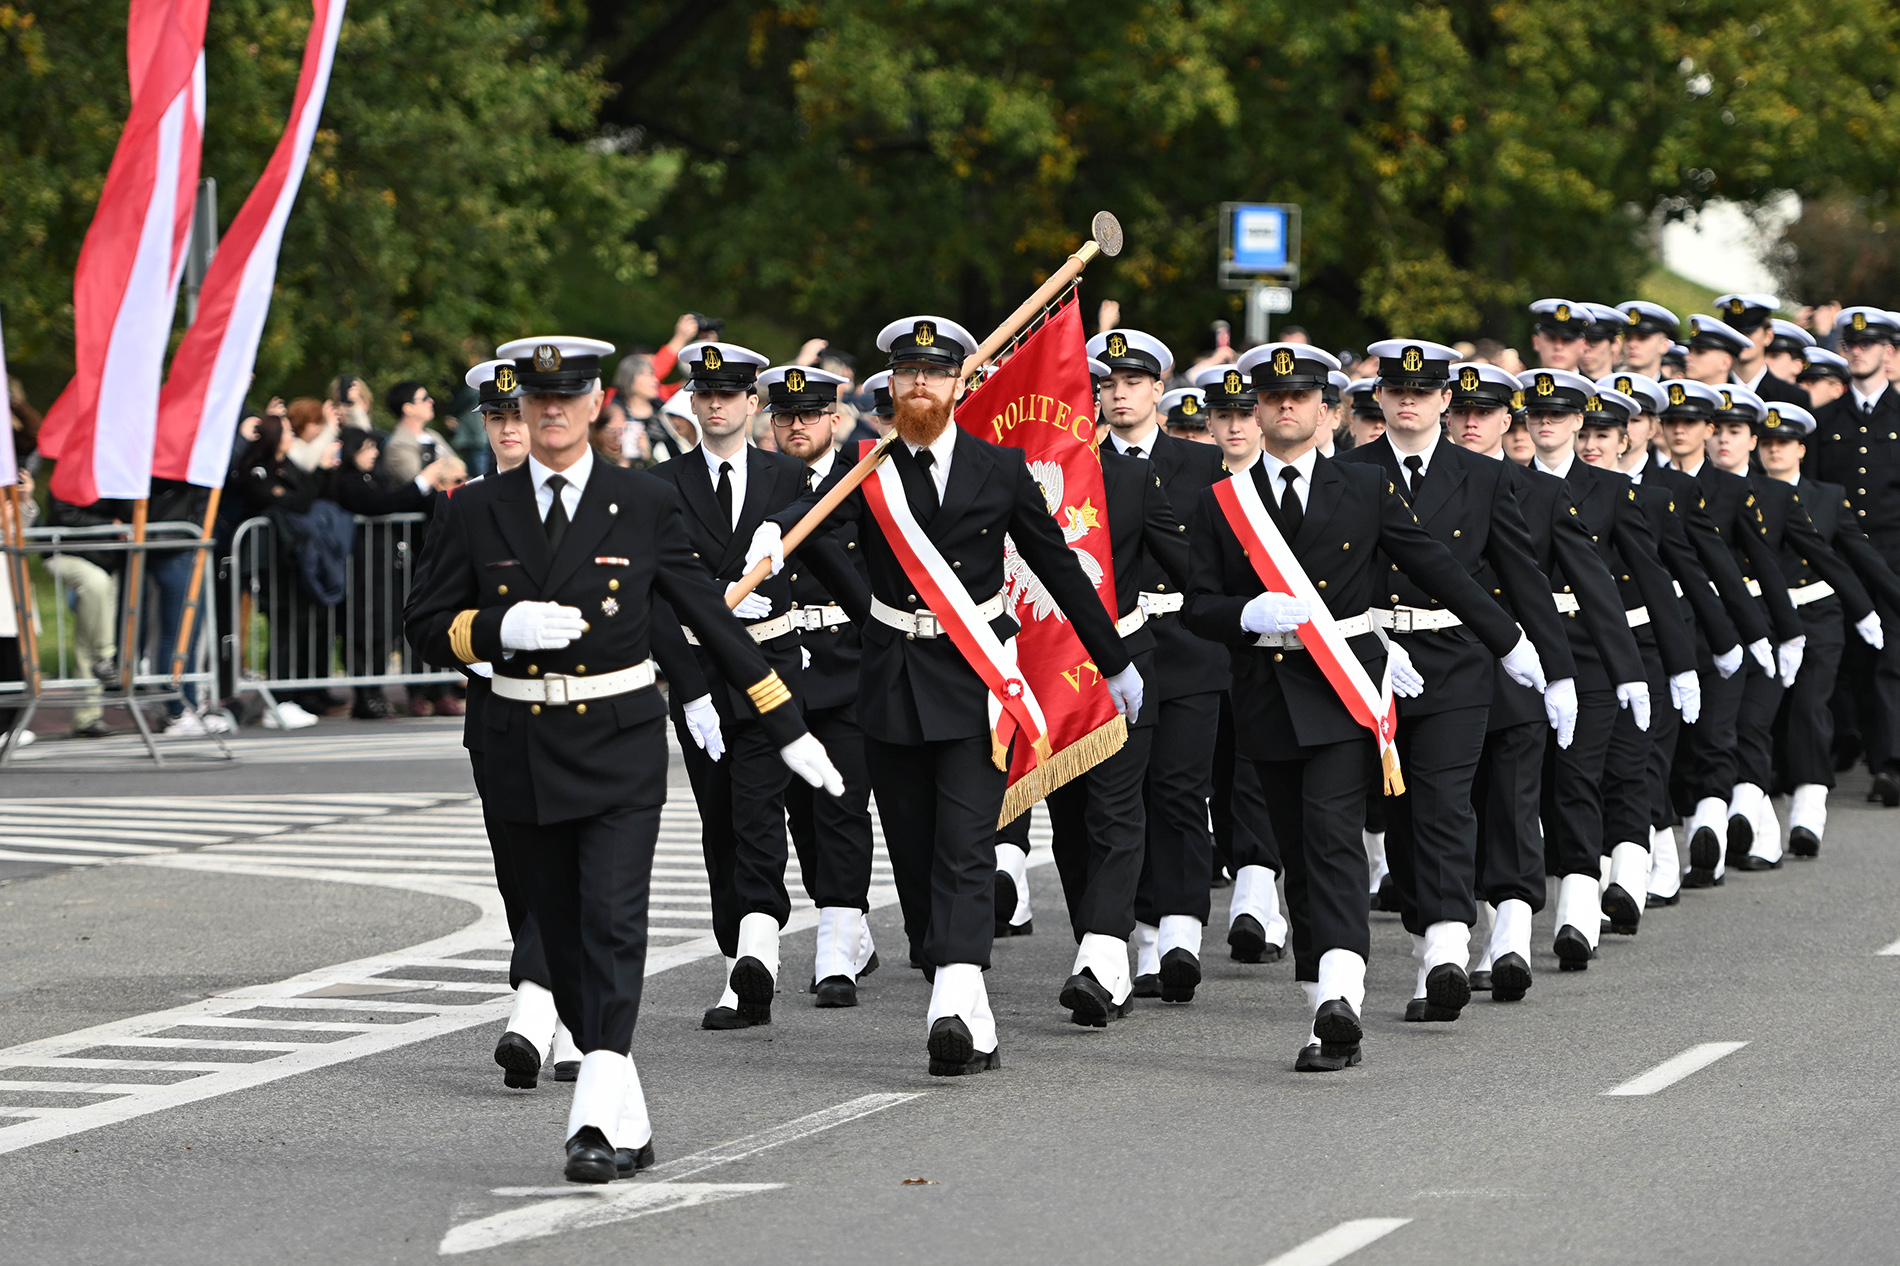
(1865,404)
(1424,456)
(576,476)
(940,450)
(1144,442)
(737,479)
(1688,470)
(821,469)
(1562,469)
(1303,486)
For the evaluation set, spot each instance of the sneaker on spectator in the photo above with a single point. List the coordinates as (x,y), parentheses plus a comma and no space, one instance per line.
(216,722)
(421,706)
(106,670)
(288,716)
(449,706)
(371,706)
(25,738)
(95,728)
(187,724)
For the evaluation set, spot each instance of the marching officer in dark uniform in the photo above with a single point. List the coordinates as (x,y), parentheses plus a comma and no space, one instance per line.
(1753,317)
(1335,519)
(1805,729)
(1467,505)
(1649,331)
(727,488)
(832,834)
(1857,445)
(549,573)
(946,500)
(1184,414)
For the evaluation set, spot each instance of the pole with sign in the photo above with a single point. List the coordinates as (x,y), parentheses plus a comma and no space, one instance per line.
(1260,253)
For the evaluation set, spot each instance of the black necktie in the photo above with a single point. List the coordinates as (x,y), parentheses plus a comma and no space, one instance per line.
(1291,512)
(555,525)
(1134,450)
(1414,471)
(927,460)
(723,491)
(1867,408)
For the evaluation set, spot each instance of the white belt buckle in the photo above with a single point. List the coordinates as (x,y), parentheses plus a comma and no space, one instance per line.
(556,686)
(928,626)
(1401,621)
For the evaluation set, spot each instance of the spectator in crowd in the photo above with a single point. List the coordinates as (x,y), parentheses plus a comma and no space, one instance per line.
(351,396)
(269,484)
(169,574)
(412,445)
(616,439)
(675,430)
(1293,334)
(91,581)
(26,421)
(314,428)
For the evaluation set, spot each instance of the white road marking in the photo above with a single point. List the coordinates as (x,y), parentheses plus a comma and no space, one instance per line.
(1892,951)
(576,1208)
(1342,1241)
(1671,1071)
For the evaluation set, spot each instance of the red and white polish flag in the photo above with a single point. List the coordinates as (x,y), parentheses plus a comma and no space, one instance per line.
(199,412)
(126,286)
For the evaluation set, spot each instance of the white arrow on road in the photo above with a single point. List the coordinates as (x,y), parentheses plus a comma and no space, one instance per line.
(578,1208)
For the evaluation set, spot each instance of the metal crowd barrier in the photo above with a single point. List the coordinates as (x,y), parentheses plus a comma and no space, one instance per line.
(150,681)
(279,637)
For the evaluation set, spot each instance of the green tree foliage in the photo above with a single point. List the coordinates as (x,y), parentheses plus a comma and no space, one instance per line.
(851,159)
(458,158)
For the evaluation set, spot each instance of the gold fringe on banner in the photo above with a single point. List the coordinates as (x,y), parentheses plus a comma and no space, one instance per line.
(1073,761)
(1394,780)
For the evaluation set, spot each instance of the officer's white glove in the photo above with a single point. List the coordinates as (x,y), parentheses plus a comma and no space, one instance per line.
(1685,694)
(1524,666)
(1125,689)
(1729,661)
(702,722)
(805,756)
(754,606)
(1274,613)
(1764,654)
(804,657)
(1869,630)
(1560,708)
(1634,695)
(1790,653)
(539,626)
(767,542)
(1406,683)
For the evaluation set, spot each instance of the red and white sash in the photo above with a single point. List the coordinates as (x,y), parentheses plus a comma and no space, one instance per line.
(1013,706)
(1280,571)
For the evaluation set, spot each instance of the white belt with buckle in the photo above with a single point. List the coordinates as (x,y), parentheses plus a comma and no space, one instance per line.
(1637,616)
(763,631)
(1132,621)
(1162,603)
(1802,596)
(925,624)
(556,689)
(1566,603)
(1351,626)
(1413,619)
(811,619)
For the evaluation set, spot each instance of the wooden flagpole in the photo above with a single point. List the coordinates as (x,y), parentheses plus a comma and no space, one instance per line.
(134,580)
(1105,239)
(182,643)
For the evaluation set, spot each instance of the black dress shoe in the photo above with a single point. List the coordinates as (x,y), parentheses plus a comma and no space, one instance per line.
(1741,836)
(568,1070)
(1089,1002)
(520,1062)
(629,1161)
(1180,974)
(953,1052)
(837,991)
(589,1158)
(1622,910)
(1447,990)
(1005,901)
(1480,982)
(1804,843)
(870,965)
(1572,949)
(752,981)
(1704,851)
(1316,1059)
(1654,899)
(1026,928)
(723,1018)
(1510,978)
(1886,789)
(1751,862)
(1336,1024)
(1415,1010)
(1148,986)
(1247,940)
(1387,900)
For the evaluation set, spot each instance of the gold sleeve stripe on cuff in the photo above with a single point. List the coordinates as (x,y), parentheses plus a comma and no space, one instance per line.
(462,637)
(768,693)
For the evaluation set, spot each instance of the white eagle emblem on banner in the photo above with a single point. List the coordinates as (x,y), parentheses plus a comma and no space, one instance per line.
(1076,523)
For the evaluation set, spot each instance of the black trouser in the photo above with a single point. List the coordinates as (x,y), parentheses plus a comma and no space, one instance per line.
(1629,764)
(1431,832)
(1573,789)
(833,833)
(1507,795)
(1755,727)
(1100,828)
(1880,714)
(587,882)
(1316,803)
(529,960)
(1705,754)
(1805,728)
(939,803)
(741,799)
(1178,867)
(1852,709)
(1242,831)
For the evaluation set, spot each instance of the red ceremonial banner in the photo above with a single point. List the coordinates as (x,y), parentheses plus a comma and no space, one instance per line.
(1042,401)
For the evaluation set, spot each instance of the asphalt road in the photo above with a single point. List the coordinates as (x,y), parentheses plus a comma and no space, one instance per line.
(1180,1134)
